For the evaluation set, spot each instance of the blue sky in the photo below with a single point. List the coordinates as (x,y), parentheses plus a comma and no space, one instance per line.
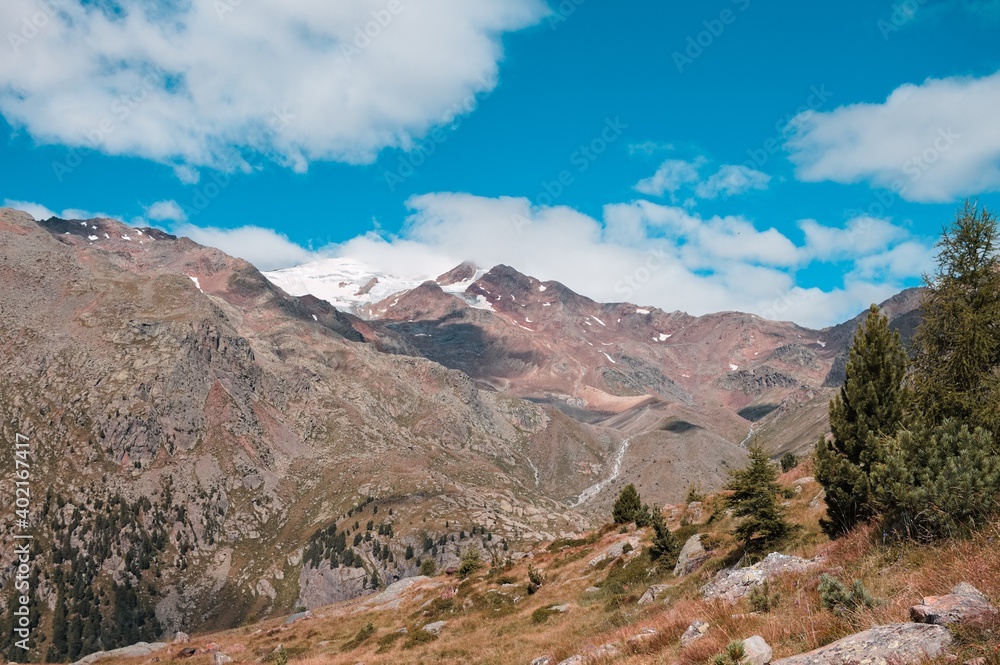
(796,160)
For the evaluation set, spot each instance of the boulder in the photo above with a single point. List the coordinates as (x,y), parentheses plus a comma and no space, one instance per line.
(616,550)
(572,660)
(652,592)
(542,660)
(692,555)
(639,640)
(181,638)
(894,644)
(562,609)
(133,651)
(219,658)
(695,631)
(434,628)
(694,513)
(757,651)
(734,583)
(964,603)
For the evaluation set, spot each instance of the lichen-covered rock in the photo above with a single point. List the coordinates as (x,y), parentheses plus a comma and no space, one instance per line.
(435,628)
(616,550)
(894,644)
(133,651)
(649,597)
(695,631)
(733,584)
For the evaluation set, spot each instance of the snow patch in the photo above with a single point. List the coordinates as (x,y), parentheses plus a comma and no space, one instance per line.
(642,311)
(92,238)
(733,367)
(613,361)
(598,320)
(196,282)
(541,288)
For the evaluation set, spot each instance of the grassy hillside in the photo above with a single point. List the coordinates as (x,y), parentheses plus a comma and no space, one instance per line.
(492,618)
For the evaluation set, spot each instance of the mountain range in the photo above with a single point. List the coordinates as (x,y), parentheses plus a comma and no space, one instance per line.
(227,444)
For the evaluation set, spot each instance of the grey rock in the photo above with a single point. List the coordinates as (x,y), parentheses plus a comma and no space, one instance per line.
(219,658)
(757,651)
(181,638)
(617,550)
(695,631)
(573,660)
(434,628)
(562,609)
(692,556)
(652,592)
(964,603)
(893,644)
(543,660)
(733,584)
(133,651)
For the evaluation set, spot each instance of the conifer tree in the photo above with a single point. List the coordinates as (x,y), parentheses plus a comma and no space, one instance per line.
(665,547)
(628,506)
(870,406)
(754,501)
(958,342)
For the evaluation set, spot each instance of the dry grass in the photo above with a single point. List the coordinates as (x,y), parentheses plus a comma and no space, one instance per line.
(486,626)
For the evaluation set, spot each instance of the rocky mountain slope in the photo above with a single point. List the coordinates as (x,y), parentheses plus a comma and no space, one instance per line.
(207,447)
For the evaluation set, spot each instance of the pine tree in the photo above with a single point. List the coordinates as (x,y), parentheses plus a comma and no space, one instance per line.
(938,481)
(958,342)
(754,501)
(628,506)
(870,406)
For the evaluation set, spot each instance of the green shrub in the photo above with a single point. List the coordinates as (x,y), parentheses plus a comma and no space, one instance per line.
(733,655)
(788,462)
(837,598)
(471,561)
(418,637)
(938,482)
(628,508)
(366,632)
(761,599)
(428,567)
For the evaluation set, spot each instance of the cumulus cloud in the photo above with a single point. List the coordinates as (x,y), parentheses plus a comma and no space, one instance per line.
(265,248)
(211,83)
(41,212)
(933,142)
(670,177)
(650,254)
(166,210)
(673,175)
(732,180)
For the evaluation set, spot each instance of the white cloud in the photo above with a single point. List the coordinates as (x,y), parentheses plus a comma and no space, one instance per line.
(670,177)
(732,180)
(649,254)
(933,142)
(673,175)
(265,248)
(36,210)
(42,213)
(861,236)
(210,83)
(166,210)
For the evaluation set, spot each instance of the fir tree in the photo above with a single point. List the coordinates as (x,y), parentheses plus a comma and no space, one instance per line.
(665,547)
(870,406)
(754,501)
(628,507)
(958,342)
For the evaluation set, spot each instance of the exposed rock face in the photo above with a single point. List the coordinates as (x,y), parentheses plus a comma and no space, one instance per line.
(435,628)
(325,585)
(617,550)
(692,555)
(733,584)
(964,603)
(894,644)
(461,273)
